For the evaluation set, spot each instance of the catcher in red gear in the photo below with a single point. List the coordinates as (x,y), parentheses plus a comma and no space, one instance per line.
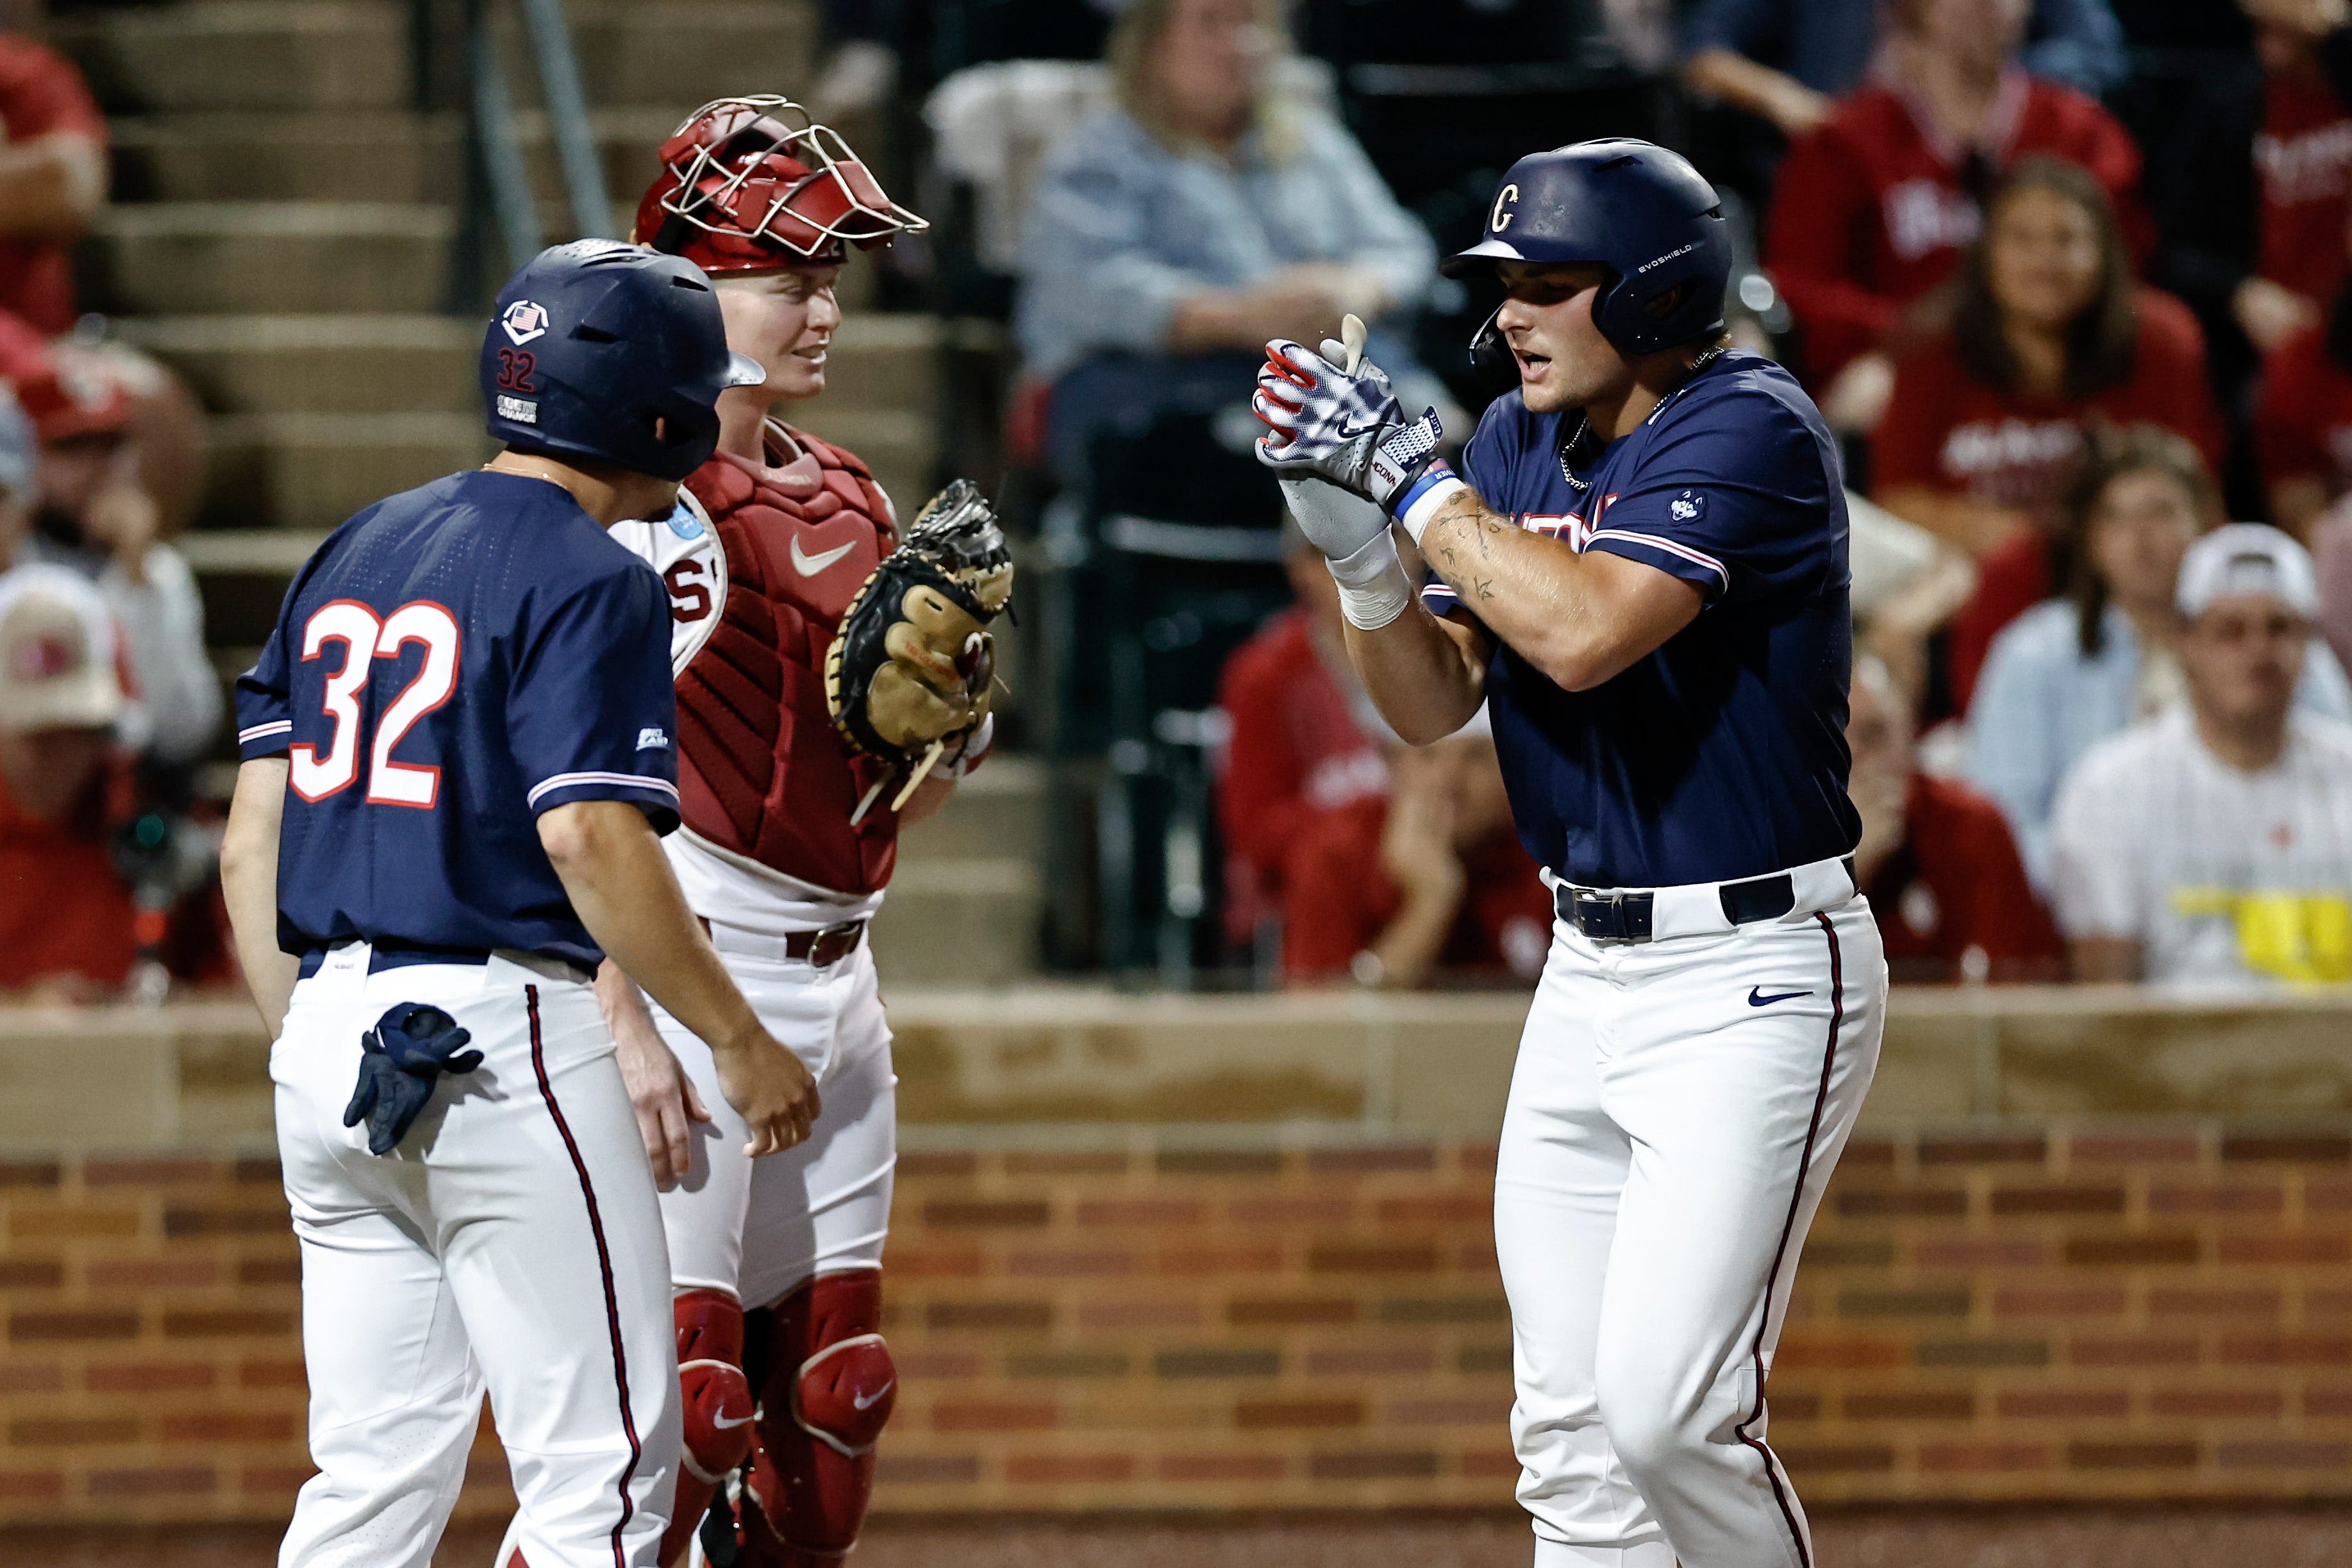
(775,1264)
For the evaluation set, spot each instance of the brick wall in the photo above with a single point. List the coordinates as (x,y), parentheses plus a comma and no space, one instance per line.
(2104,1312)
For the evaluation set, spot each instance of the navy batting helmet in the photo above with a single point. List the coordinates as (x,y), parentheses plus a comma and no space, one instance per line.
(1635,209)
(612,352)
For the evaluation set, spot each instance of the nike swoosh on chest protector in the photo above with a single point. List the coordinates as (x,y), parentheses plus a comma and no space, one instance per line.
(867,1401)
(809,565)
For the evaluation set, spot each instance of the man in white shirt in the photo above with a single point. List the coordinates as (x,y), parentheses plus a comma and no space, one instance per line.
(2213,843)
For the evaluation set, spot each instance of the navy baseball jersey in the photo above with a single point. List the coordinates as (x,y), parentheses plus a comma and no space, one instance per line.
(452,662)
(1722,754)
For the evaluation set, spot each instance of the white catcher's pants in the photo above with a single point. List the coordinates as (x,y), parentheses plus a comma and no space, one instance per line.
(510,1241)
(760,1227)
(1670,1129)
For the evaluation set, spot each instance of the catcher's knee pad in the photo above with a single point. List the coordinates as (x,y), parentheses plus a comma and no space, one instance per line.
(716,1396)
(829,1389)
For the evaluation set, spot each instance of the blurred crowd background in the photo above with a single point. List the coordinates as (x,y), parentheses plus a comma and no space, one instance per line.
(2068,277)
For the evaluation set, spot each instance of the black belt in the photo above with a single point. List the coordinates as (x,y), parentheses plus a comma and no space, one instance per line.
(383,955)
(1626,917)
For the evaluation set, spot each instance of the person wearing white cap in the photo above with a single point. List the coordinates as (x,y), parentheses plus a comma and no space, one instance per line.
(65,917)
(2213,844)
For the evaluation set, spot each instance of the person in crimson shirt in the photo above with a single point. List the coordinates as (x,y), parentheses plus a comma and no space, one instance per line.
(52,179)
(2302,157)
(1874,209)
(1431,880)
(2049,334)
(66,922)
(1937,859)
(1303,742)
(2303,420)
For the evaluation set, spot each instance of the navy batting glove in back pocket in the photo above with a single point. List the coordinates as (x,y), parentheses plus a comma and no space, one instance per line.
(411,1045)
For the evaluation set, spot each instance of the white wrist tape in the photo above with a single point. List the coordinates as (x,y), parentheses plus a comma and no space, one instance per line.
(1419,505)
(1374,588)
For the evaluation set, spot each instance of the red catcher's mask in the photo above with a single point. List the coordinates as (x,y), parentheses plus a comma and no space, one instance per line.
(750,185)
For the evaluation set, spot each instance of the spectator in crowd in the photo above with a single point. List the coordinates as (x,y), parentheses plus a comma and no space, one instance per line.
(2215,844)
(2301,155)
(66,922)
(1907,584)
(1304,740)
(52,179)
(1788,61)
(2049,334)
(2331,549)
(1391,890)
(1875,206)
(2073,671)
(96,514)
(1936,859)
(2246,170)
(1212,209)
(2302,423)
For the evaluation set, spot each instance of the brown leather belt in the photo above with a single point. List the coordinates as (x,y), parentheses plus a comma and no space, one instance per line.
(823,947)
(829,945)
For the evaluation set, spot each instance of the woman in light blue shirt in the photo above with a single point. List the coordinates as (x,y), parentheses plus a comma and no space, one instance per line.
(2073,671)
(1218,205)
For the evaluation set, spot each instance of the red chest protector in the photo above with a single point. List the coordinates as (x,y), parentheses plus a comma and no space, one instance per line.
(762,771)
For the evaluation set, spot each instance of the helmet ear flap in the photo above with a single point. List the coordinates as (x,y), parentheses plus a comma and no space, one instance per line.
(1491,361)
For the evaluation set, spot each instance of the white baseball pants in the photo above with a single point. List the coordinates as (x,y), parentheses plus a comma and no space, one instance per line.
(511,1242)
(1675,1110)
(760,1227)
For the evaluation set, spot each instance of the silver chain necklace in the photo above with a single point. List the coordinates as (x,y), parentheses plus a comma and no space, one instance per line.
(1575,441)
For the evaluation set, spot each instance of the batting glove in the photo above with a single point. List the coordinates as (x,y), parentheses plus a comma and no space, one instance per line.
(1334,415)
(411,1045)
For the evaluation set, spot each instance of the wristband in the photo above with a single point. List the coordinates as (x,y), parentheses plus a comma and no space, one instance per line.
(1374,588)
(1424,498)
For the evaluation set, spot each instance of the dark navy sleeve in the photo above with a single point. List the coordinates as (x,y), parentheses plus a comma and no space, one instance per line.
(1735,496)
(591,714)
(265,720)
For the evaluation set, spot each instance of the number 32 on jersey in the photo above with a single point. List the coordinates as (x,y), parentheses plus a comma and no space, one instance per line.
(361,638)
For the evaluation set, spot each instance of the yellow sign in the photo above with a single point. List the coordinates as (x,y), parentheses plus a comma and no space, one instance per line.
(2304,936)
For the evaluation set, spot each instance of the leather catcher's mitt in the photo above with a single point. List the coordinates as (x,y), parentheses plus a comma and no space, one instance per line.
(909,675)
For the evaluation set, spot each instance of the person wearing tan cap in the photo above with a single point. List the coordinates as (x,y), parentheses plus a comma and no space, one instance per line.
(67,921)
(2213,844)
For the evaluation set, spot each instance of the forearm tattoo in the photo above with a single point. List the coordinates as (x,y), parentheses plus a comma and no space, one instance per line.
(1459,539)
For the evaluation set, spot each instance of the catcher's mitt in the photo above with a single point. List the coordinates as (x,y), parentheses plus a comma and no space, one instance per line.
(909,671)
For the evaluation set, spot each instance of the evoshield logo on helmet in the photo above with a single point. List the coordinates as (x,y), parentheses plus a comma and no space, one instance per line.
(524,319)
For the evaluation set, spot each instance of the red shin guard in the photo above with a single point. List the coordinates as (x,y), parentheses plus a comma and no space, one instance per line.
(828,1389)
(718,1408)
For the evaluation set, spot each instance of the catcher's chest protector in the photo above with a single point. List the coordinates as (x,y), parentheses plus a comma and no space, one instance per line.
(754,601)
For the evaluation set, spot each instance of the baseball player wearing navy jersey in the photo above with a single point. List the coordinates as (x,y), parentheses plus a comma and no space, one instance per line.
(459,752)
(1643,574)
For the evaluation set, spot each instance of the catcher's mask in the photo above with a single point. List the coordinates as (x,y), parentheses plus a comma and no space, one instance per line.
(751,185)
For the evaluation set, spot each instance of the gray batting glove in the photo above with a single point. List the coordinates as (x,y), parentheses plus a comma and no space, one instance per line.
(1338,522)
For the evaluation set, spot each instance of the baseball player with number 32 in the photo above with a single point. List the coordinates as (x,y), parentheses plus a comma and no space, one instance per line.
(458,757)
(1644,576)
